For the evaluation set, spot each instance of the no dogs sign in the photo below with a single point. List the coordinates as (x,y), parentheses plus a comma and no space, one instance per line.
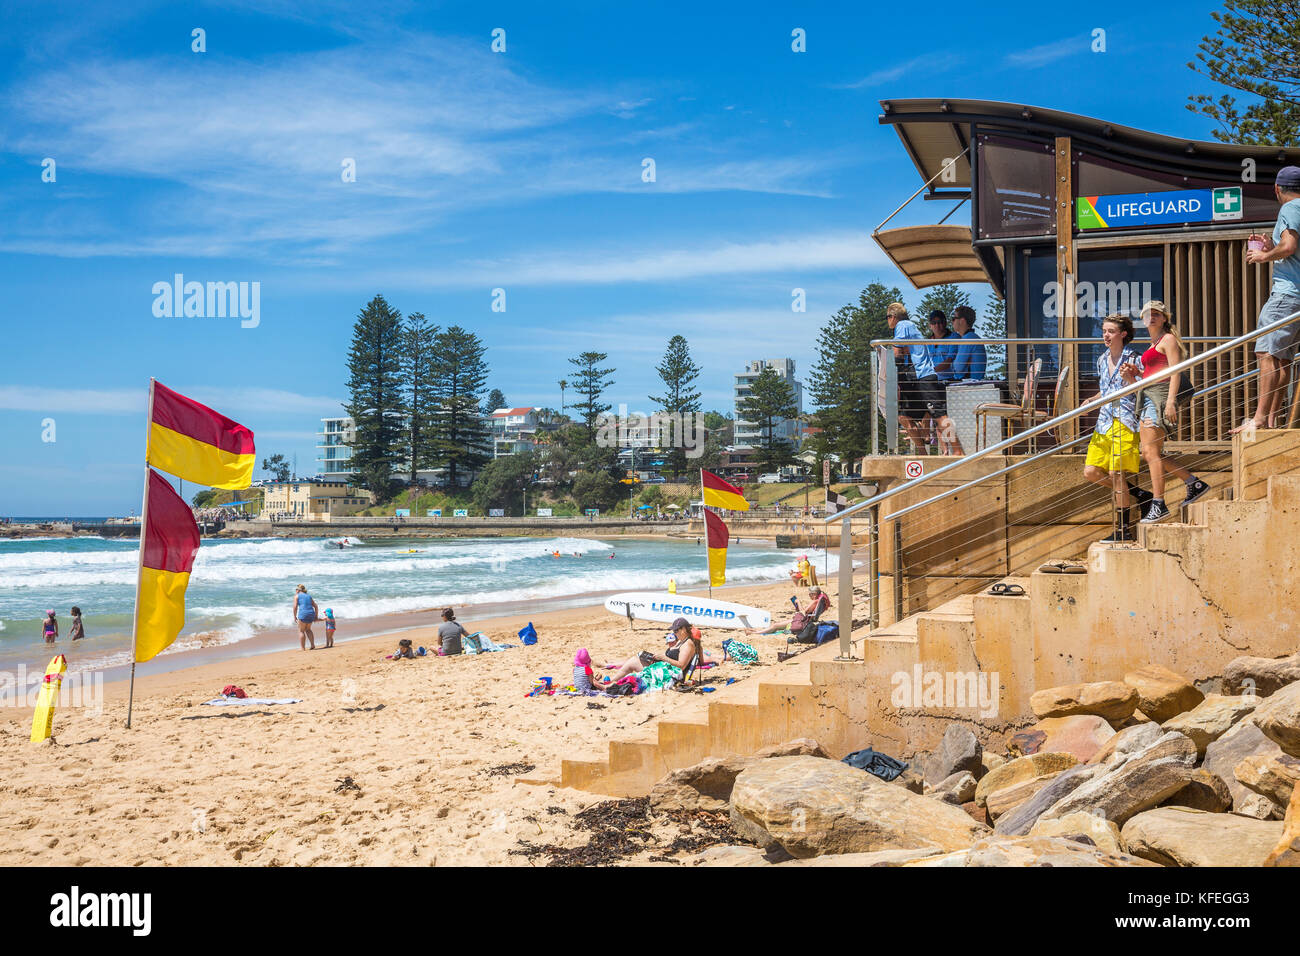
(914,469)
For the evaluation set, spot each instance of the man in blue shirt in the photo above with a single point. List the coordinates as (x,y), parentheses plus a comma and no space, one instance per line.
(920,394)
(1275,350)
(943,355)
(971,361)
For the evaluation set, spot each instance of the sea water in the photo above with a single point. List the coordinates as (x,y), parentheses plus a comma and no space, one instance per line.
(239,588)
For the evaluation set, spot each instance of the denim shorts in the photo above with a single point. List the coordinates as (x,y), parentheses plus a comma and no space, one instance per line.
(1280,343)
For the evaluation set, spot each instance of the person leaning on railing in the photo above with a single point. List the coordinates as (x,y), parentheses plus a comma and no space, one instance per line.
(1275,350)
(971,362)
(920,393)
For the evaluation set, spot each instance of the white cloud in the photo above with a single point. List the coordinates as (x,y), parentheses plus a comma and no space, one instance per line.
(1047,52)
(816,252)
(930,62)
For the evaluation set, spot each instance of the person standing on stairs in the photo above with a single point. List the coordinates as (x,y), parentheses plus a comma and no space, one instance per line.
(1113,449)
(1160,411)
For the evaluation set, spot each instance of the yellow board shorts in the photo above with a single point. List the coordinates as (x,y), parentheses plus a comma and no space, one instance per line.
(1116,450)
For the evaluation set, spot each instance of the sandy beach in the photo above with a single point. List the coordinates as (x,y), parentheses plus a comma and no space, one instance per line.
(383,762)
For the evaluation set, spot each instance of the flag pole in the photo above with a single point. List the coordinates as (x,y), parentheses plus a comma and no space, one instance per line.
(139,568)
(704,514)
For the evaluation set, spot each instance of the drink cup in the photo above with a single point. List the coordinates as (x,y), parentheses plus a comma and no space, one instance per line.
(1255,245)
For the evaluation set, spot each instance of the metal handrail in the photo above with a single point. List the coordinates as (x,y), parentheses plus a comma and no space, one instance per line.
(1087,408)
(908,343)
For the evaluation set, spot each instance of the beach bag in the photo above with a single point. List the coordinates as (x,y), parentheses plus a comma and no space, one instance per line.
(472,644)
(880,765)
(529,634)
(807,634)
(829,631)
(1186,388)
(230,690)
(740,652)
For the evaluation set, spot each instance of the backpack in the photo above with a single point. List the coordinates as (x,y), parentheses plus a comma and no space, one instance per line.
(827,631)
(879,765)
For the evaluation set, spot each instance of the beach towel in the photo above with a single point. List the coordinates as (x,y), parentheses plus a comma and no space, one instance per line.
(658,675)
(472,643)
(740,652)
(257,701)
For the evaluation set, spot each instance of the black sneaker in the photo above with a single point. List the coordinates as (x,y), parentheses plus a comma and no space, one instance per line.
(1140,495)
(1123,535)
(1157,512)
(1196,490)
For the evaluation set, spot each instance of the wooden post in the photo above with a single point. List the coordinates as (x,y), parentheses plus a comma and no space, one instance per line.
(1068,321)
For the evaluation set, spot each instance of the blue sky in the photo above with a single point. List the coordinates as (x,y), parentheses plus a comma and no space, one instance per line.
(475,170)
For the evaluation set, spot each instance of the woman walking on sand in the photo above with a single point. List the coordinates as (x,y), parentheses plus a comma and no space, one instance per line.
(304,612)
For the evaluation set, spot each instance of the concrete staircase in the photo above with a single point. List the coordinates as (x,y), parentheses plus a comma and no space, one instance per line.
(1189,596)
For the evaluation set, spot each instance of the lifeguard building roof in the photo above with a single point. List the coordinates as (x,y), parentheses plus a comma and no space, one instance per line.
(935,130)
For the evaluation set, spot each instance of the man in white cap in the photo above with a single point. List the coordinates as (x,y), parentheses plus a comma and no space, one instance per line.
(1275,350)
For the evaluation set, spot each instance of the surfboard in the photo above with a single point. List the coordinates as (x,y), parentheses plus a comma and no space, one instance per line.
(702,612)
(43,719)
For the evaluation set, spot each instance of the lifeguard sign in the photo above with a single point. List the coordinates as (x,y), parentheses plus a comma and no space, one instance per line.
(1222,204)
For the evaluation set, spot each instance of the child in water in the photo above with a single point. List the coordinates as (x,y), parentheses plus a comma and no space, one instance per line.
(50,627)
(76,631)
(329,627)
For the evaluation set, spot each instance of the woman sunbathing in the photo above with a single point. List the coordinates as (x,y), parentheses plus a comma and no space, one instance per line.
(686,653)
(817,607)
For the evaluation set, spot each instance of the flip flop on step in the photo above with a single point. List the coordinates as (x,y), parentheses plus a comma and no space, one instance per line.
(1007,590)
(1062,567)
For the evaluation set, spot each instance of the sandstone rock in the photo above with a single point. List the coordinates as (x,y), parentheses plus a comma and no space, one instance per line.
(959,750)
(1210,719)
(1223,756)
(1006,799)
(1126,742)
(1144,780)
(729,856)
(1079,827)
(1206,791)
(1287,852)
(1031,851)
(1162,693)
(977,813)
(811,806)
(1021,820)
(1082,735)
(1273,776)
(878,858)
(1111,700)
(799,747)
(1177,836)
(909,779)
(1268,674)
(1279,717)
(958,789)
(1021,769)
(704,786)
(991,762)
(1257,806)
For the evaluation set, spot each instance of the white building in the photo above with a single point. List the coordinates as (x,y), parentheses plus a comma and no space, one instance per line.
(514,430)
(750,434)
(334,440)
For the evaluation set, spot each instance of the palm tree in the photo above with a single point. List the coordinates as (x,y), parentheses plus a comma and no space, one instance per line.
(563,385)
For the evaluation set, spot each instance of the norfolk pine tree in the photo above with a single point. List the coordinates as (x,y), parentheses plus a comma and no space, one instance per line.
(376,405)
(460,373)
(769,402)
(417,365)
(678,373)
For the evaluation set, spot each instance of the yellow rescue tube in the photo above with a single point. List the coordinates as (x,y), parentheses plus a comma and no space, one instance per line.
(43,719)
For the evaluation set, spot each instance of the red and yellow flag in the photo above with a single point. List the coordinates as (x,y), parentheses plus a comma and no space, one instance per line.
(193,442)
(169,539)
(717,539)
(721,494)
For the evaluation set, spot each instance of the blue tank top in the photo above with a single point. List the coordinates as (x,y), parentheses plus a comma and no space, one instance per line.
(304,604)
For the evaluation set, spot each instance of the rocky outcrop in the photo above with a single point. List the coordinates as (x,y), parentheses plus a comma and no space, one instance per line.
(1279,717)
(1082,735)
(707,785)
(1287,852)
(957,789)
(811,806)
(1210,719)
(1260,675)
(1144,780)
(1162,693)
(1022,819)
(1113,701)
(1177,836)
(1128,741)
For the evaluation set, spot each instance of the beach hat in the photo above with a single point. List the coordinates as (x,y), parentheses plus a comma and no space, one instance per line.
(680,623)
(50,612)
(582,658)
(1288,177)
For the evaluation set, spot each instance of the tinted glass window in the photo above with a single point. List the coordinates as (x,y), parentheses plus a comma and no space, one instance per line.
(1099,176)
(1017,187)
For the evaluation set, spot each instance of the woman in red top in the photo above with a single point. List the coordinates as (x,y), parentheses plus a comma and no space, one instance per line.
(1160,410)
